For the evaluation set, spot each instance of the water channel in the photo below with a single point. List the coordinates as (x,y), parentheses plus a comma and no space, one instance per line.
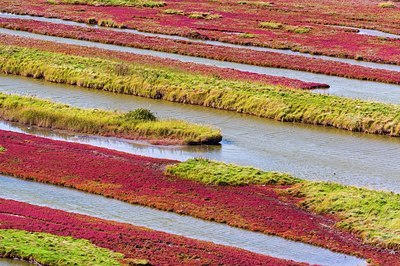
(352,88)
(306,151)
(214,43)
(106,208)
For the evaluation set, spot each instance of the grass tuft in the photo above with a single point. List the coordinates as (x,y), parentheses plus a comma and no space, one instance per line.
(216,173)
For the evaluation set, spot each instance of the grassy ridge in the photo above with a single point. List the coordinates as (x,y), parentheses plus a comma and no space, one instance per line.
(47,249)
(374,215)
(135,124)
(243,97)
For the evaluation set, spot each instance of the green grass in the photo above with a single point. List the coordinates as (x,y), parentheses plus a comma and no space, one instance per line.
(373,215)
(215,173)
(253,98)
(144,3)
(47,249)
(137,123)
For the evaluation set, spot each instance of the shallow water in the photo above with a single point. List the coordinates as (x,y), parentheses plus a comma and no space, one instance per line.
(306,151)
(375,33)
(352,88)
(214,43)
(9,262)
(101,207)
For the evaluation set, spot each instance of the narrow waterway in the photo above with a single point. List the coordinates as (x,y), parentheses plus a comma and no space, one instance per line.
(214,43)
(368,32)
(351,88)
(306,151)
(102,207)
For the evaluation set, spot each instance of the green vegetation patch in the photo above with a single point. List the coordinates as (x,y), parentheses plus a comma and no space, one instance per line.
(289,28)
(374,215)
(156,82)
(270,25)
(47,249)
(144,3)
(204,15)
(2,149)
(137,123)
(216,173)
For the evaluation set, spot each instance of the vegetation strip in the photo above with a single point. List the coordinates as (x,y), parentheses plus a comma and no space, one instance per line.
(153,61)
(374,215)
(244,97)
(47,249)
(246,56)
(272,208)
(137,124)
(131,245)
(301,24)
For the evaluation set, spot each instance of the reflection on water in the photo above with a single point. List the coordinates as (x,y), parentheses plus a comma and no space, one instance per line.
(306,151)
(216,43)
(338,86)
(102,207)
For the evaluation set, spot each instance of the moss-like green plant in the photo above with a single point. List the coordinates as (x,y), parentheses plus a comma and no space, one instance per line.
(138,123)
(216,173)
(2,149)
(170,84)
(47,249)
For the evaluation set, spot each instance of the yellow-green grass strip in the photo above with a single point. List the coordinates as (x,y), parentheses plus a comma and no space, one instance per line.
(373,215)
(163,83)
(139,123)
(48,249)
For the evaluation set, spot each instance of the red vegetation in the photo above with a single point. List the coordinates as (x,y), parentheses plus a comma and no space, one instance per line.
(141,180)
(158,62)
(133,241)
(237,55)
(240,20)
